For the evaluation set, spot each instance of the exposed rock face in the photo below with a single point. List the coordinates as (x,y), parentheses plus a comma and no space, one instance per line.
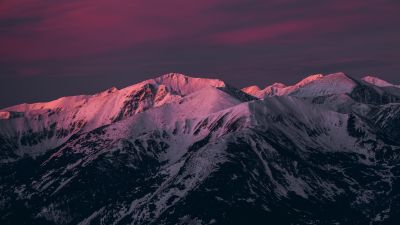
(183,150)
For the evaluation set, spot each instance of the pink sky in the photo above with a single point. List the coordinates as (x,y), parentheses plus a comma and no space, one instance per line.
(125,41)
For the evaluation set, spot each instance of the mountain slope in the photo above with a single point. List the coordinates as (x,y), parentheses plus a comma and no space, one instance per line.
(42,126)
(377,82)
(324,151)
(320,86)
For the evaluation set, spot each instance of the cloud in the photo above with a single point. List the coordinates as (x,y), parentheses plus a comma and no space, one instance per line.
(62,29)
(81,37)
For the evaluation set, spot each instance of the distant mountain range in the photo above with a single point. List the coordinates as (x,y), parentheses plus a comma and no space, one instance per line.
(184,150)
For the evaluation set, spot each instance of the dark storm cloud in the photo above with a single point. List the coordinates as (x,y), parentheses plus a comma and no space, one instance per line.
(54,48)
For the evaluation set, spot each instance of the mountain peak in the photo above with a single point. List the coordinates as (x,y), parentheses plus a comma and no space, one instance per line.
(184,85)
(173,76)
(309,79)
(319,85)
(278,85)
(376,81)
(313,85)
(253,88)
(338,75)
(179,77)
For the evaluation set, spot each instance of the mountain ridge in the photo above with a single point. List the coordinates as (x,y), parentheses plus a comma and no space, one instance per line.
(182,150)
(57,120)
(181,79)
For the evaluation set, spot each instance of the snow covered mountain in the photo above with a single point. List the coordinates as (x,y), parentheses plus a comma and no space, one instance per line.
(34,128)
(183,150)
(377,82)
(320,85)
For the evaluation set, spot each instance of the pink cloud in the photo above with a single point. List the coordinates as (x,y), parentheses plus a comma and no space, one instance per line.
(291,30)
(42,30)
(94,27)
